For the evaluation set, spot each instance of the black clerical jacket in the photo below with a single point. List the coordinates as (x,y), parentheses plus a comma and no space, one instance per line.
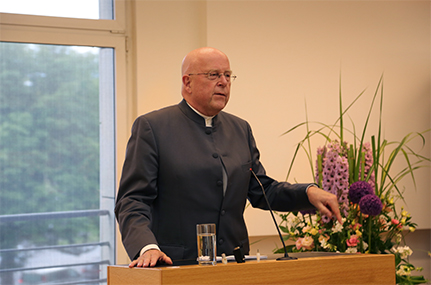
(172,179)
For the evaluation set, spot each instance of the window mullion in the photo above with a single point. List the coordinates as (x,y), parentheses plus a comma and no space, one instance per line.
(30,21)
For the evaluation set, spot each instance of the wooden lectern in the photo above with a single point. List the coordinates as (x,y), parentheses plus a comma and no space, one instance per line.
(331,269)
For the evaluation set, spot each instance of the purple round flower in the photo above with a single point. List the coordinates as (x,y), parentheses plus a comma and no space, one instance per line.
(371,205)
(358,190)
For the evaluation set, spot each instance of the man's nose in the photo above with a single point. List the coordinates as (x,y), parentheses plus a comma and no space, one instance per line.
(222,79)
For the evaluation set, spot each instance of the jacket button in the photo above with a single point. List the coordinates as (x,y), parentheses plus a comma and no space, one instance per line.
(215,155)
(221,241)
(208,131)
(223,212)
(219,183)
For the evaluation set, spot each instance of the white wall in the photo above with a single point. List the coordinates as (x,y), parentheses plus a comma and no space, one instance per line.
(289,52)
(286,52)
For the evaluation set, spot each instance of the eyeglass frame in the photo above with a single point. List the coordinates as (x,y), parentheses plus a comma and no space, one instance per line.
(219,74)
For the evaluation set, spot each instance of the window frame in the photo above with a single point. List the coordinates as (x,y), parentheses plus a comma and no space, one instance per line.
(35,29)
(117,25)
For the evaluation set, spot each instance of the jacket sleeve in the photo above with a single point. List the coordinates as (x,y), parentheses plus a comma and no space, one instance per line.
(282,196)
(137,189)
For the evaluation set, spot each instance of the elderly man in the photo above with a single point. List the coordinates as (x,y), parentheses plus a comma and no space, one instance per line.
(190,164)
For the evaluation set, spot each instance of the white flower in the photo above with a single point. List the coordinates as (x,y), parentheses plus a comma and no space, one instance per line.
(324,244)
(313,218)
(338,228)
(404,251)
(323,239)
(364,245)
(404,271)
(351,250)
(293,220)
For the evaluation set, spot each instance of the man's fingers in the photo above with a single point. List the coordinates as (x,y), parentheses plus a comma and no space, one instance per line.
(334,209)
(159,256)
(153,260)
(133,263)
(324,210)
(150,258)
(325,202)
(166,259)
(338,215)
(142,261)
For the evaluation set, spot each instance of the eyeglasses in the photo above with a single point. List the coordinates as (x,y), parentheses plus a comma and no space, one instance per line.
(213,75)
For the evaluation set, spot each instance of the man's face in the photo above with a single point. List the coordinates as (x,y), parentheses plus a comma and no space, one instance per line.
(207,96)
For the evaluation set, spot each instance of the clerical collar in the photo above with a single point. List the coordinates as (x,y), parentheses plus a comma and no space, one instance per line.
(208,119)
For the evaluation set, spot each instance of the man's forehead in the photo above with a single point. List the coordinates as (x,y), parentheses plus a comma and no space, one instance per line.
(220,70)
(214,64)
(203,60)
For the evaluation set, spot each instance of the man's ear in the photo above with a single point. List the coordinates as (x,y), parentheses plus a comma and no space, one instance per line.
(187,83)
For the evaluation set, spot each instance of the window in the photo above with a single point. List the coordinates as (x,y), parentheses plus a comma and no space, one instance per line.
(52,131)
(85,9)
(59,92)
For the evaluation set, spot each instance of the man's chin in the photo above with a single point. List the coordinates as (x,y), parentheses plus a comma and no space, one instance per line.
(219,105)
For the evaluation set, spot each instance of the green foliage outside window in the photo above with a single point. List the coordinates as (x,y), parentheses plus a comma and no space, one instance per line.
(49,144)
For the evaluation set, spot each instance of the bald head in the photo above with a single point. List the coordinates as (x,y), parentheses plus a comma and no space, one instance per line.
(198,57)
(206,95)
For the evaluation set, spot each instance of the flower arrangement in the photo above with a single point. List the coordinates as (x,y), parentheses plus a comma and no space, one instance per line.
(360,176)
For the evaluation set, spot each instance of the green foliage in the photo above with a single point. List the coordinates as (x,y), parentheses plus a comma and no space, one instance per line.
(49,141)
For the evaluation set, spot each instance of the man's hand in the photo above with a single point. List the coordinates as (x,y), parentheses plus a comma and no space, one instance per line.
(150,259)
(325,202)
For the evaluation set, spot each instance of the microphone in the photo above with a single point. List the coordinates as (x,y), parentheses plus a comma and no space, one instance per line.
(286,256)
